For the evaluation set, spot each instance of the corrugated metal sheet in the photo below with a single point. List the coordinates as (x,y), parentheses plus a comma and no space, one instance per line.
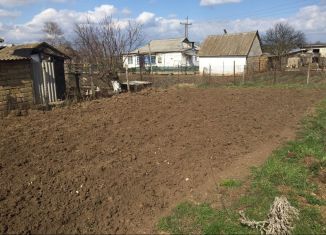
(164,45)
(228,44)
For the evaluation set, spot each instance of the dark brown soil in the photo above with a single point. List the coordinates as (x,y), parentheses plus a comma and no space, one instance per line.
(116,165)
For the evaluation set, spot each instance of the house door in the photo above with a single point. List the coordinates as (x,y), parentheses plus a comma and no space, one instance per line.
(44,82)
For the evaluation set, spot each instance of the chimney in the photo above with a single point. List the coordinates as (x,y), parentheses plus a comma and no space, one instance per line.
(225,32)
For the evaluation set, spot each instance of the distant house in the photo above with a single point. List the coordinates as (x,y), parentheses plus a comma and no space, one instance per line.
(318,51)
(31,74)
(228,53)
(163,53)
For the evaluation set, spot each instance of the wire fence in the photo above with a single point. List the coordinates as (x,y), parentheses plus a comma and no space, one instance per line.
(166,70)
(86,84)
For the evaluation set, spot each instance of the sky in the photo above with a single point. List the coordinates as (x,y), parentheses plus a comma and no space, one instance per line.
(21,21)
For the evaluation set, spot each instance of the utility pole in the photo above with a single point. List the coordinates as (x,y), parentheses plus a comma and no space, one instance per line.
(186,24)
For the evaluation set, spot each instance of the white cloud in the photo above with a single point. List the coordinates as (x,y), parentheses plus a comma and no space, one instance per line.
(126,11)
(217,2)
(14,3)
(145,17)
(31,30)
(307,20)
(5,13)
(17,3)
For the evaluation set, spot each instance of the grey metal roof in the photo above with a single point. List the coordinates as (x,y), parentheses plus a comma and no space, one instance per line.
(228,44)
(164,45)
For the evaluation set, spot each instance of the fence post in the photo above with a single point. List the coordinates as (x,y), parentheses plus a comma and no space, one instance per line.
(127,78)
(92,82)
(244,74)
(234,72)
(308,74)
(77,90)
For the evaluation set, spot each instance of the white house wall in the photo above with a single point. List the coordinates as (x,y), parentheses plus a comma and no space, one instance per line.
(170,59)
(222,65)
(173,59)
(322,52)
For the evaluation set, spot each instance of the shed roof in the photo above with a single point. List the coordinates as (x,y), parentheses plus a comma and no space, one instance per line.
(163,45)
(23,52)
(228,44)
(12,58)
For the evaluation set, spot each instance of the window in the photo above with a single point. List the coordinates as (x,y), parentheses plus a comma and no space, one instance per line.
(159,59)
(137,60)
(130,60)
(153,59)
(150,60)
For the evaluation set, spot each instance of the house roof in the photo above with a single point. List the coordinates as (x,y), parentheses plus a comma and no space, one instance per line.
(228,44)
(23,52)
(314,46)
(163,45)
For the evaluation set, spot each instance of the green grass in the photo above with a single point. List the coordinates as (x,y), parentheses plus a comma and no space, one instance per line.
(284,173)
(231,183)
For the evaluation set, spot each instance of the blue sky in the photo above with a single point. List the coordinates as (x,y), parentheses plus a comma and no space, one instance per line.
(21,20)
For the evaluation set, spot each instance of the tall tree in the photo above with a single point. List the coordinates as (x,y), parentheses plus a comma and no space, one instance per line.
(53,34)
(282,38)
(105,42)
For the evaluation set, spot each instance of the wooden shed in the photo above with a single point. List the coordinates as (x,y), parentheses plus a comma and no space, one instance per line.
(47,68)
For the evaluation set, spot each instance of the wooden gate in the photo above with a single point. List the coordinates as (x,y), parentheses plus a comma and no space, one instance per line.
(44,82)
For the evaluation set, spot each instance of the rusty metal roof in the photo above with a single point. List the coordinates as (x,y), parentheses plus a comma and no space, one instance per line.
(228,44)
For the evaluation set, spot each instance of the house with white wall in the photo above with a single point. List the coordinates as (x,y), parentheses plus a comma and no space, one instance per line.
(177,52)
(317,53)
(229,53)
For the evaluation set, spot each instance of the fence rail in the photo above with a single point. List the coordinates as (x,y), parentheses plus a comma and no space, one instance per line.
(166,70)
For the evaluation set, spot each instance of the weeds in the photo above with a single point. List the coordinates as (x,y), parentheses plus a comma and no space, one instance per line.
(231,183)
(291,171)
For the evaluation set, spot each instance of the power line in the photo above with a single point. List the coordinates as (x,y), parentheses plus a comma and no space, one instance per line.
(275,9)
(272,11)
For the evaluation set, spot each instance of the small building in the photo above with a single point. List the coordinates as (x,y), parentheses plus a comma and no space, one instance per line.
(317,53)
(229,53)
(31,74)
(179,52)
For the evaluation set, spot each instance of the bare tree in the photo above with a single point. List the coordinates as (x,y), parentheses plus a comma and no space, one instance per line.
(282,38)
(53,34)
(105,42)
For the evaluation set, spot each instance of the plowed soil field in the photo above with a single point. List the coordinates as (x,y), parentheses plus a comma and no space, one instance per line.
(116,165)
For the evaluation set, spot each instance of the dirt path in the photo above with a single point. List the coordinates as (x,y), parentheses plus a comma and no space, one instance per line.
(115,165)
